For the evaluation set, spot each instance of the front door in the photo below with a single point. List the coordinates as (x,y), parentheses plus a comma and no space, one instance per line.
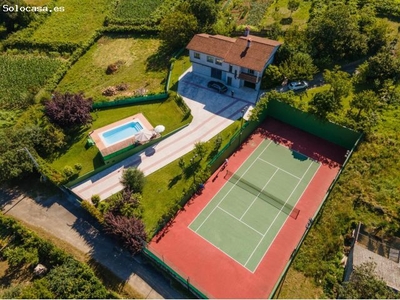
(229,81)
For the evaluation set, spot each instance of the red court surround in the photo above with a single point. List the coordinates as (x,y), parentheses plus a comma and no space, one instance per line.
(210,270)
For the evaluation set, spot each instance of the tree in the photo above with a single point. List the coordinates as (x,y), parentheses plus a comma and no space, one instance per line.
(69,110)
(205,11)
(73,280)
(200,149)
(364,284)
(133,179)
(335,34)
(364,101)
(130,231)
(382,66)
(298,66)
(14,20)
(177,28)
(272,77)
(293,5)
(389,93)
(126,203)
(324,103)
(339,81)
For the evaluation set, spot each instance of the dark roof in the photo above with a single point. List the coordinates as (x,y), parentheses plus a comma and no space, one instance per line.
(235,51)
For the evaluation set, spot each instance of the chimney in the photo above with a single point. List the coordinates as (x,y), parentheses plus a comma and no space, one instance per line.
(248,43)
(247,31)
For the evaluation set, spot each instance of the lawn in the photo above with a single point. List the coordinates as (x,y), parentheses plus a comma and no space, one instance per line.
(278,11)
(181,64)
(75,24)
(76,152)
(297,286)
(130,53)
(164,188)
(22,76)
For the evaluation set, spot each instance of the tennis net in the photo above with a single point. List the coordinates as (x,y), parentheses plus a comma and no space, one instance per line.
(263,195)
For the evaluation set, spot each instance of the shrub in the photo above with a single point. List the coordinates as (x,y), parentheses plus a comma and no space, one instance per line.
(133,179)
(68,171)
(95,200)
(91,209)
(130,231)
(78,166)
(69,110)
(272,77)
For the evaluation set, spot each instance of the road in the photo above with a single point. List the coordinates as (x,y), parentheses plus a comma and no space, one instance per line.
(66,220)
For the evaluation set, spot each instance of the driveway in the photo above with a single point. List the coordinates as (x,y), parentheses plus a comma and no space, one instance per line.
(212,112)
(67,221)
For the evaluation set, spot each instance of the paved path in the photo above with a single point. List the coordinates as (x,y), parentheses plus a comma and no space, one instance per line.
(212,112)
(67,221)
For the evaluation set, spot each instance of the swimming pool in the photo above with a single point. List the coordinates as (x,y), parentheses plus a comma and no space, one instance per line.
(121,133)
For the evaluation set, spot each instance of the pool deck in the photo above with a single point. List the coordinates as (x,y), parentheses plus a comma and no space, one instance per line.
(104,150)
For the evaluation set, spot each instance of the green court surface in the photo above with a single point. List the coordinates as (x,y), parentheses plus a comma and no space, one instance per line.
(244,217)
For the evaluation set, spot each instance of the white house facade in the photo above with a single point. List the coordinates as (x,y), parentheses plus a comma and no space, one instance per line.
(237,62)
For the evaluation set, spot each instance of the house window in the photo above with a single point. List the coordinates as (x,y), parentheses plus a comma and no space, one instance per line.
(210,59)
(230,69)
(197,55)
(251,72)
(218,61)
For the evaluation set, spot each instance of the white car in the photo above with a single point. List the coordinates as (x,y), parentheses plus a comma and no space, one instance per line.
(297,85)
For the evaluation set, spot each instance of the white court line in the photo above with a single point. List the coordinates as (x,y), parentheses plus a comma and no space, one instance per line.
(225,184)
(272,242)
(240,220)
(223,198)
(278,214)
(195,232)
(256,197)
(279,168)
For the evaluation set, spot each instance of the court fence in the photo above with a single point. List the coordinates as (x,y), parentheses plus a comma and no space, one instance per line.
(158,262)
(279,283)
(326,130)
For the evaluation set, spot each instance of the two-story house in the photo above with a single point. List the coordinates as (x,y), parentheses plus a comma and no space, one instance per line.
(236,61)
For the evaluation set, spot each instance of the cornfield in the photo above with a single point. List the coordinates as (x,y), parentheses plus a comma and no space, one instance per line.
(22,76)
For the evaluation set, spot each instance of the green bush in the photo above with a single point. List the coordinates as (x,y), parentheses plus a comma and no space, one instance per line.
(272,77)
(95,200)
(68,171)
(133,179)
(93,211)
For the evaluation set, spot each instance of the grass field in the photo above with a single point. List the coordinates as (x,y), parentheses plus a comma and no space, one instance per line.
(75,24)
(279,11)
(136,9)
(181,64)
(89,73)
(37,2)
(296,285)
(23,74)
(171,117)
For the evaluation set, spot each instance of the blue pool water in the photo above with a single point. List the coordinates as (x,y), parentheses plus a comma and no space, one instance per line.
(121,133)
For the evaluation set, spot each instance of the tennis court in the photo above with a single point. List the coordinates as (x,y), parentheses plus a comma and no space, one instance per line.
(245,216)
